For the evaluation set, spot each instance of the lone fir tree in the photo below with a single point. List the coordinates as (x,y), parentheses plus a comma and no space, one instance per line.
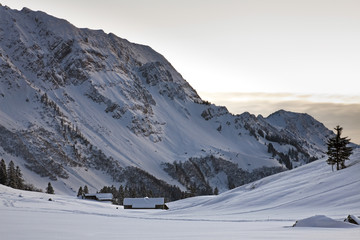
(80,192)
(86,189)
(338,152)
(50,189)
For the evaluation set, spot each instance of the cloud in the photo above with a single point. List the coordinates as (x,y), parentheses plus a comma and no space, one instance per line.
(331,110)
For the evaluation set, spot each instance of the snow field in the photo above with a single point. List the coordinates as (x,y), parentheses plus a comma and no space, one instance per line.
(266,209)
(68,218)
(71,226)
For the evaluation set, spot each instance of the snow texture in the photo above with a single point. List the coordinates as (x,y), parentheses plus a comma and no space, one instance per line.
(314,196)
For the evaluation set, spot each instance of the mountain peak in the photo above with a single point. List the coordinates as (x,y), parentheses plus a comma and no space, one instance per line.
(81,106)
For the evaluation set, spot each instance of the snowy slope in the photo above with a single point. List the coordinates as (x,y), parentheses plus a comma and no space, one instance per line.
(80,106)
(265,209)
(308,190)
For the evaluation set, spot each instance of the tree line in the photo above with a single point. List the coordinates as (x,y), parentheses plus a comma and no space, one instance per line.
(173,193)
(11,176)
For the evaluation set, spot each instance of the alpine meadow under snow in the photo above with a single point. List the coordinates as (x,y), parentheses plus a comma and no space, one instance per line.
(82,107)
(314,196)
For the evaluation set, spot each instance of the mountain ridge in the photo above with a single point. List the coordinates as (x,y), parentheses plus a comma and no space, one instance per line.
(87,106)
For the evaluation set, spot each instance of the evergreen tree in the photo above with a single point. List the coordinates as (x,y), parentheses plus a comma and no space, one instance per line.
(50,189)
(126,192)
(216,191)
(19,179)
(272,150)
(3,173)
(338,152)
(11,174)
(86,190)
(132,192)
(115,194)
(80,192)
(121,195)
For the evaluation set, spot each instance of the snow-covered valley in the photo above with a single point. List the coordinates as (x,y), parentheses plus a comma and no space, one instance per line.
(265,209)
(82,107)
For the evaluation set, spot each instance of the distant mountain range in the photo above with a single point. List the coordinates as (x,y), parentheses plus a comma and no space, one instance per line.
(82,107)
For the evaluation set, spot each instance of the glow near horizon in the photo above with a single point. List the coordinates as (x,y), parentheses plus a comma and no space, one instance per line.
(284,50)
(320,98)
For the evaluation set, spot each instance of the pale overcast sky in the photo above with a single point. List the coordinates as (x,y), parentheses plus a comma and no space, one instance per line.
(249,55)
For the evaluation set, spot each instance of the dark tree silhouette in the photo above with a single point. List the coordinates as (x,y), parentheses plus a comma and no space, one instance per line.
(86,189)
(11,173)
(50,189)
(3,173)
(19,178)
(80,192)
(338,152)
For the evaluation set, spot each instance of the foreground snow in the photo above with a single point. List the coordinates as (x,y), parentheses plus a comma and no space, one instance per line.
(266,209)
(324,222)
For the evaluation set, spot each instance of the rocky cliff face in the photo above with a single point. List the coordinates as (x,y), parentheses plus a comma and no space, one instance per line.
(84,107)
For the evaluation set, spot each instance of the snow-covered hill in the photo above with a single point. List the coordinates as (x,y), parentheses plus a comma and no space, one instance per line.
(266,209)
(312,189)
(80,106)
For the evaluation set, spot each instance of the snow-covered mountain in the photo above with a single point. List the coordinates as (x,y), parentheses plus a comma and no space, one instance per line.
(80,106)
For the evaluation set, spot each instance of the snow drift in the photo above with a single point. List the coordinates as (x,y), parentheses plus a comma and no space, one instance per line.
(322,221)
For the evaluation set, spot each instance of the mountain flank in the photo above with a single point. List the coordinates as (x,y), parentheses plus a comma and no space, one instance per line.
(82,107)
